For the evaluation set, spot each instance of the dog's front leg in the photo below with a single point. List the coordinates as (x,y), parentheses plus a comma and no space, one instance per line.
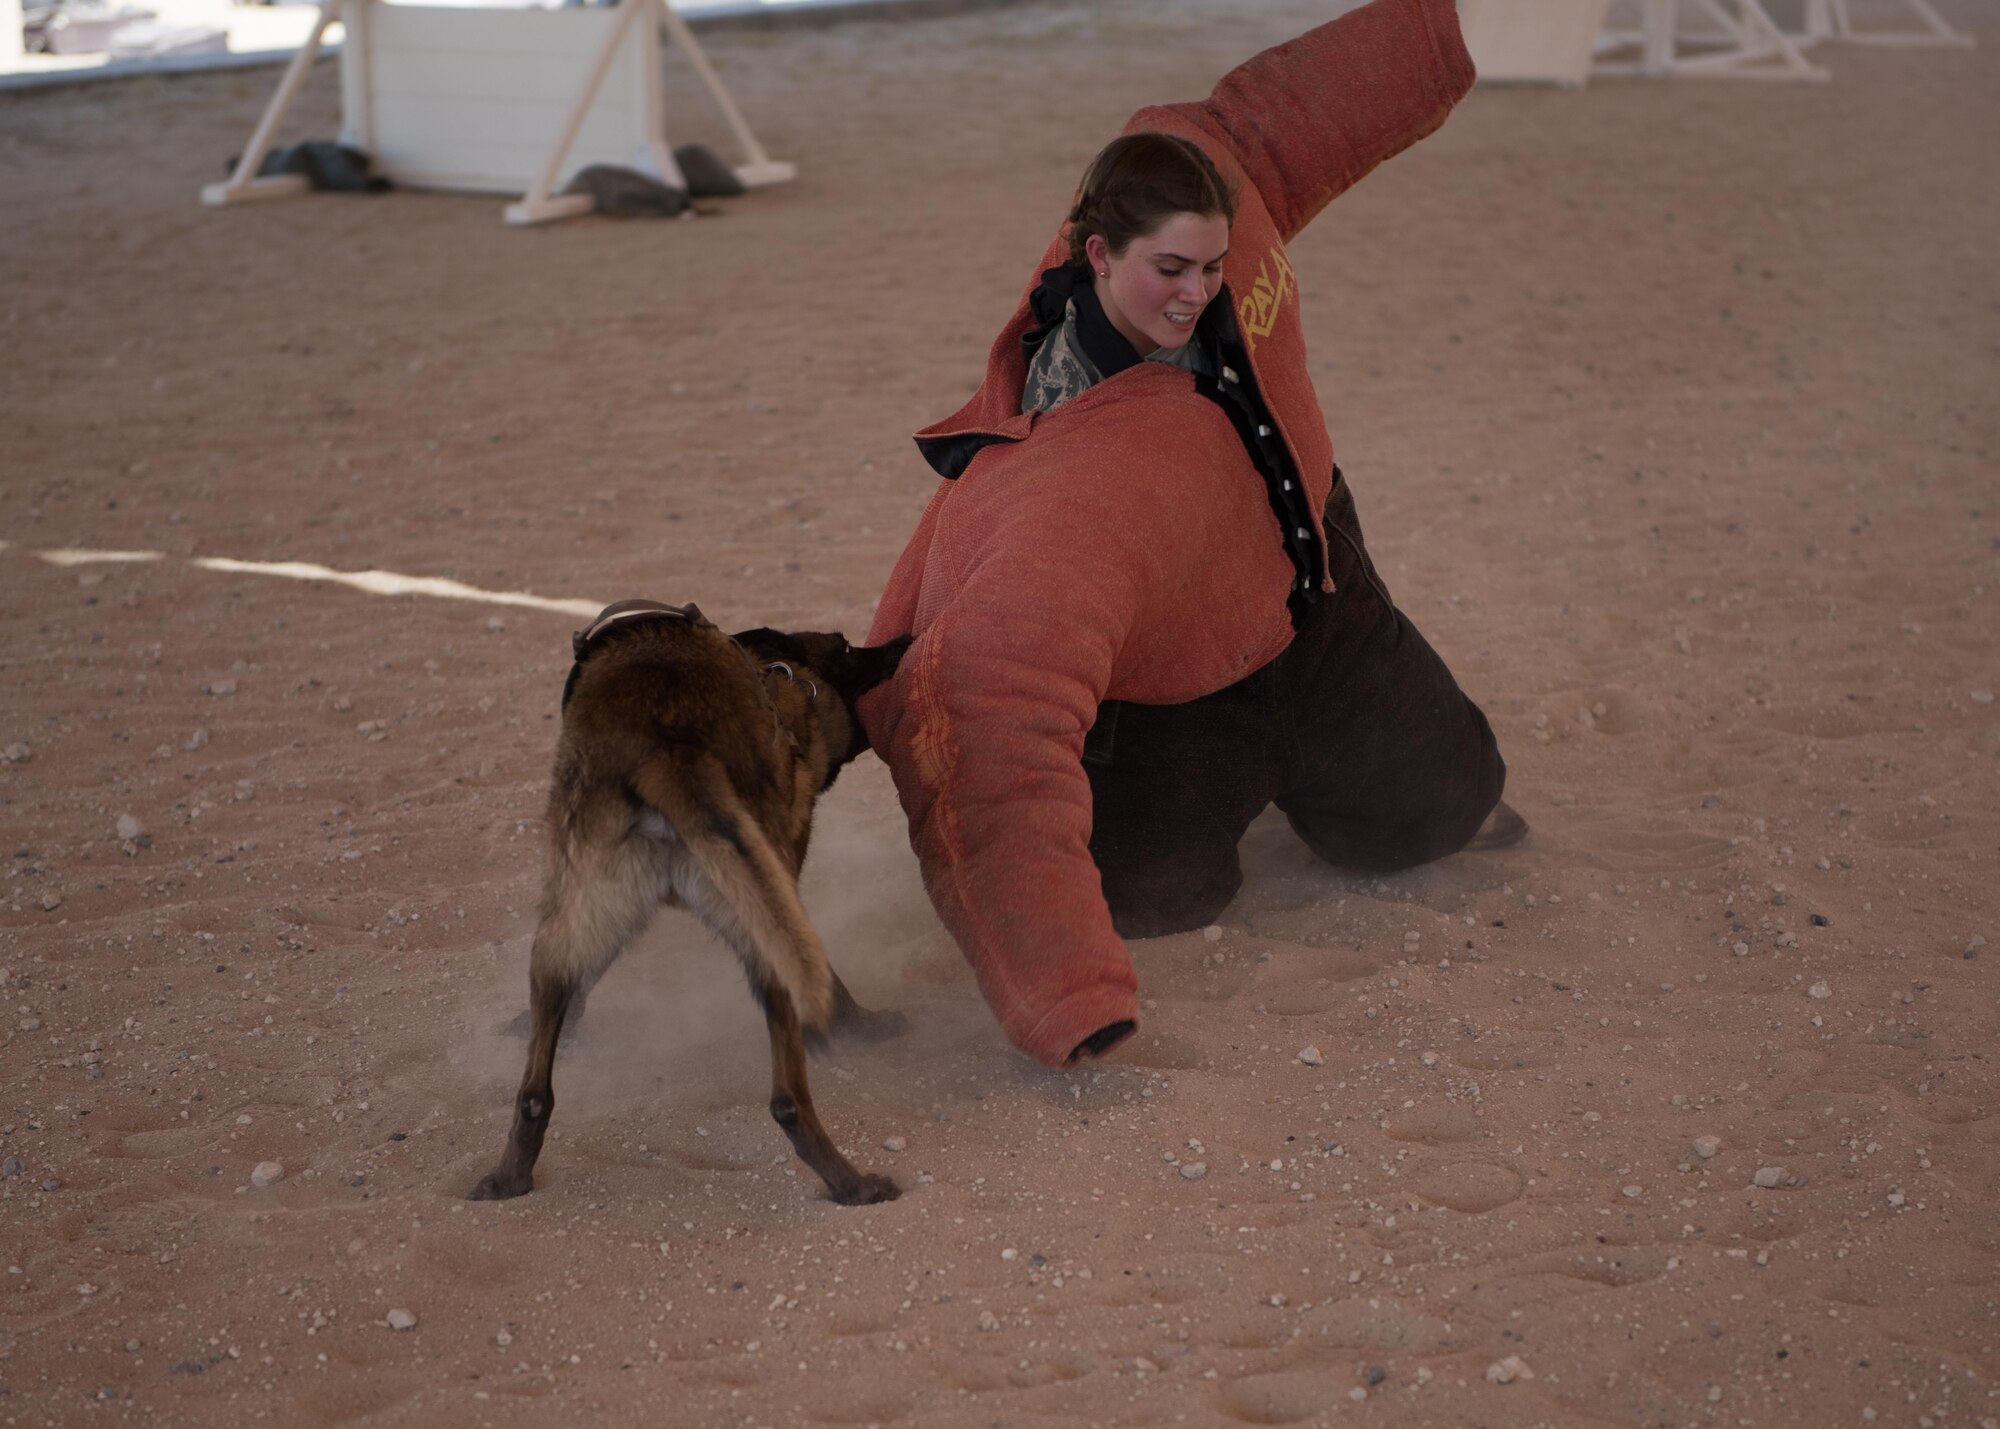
(792,1109)
(515,1175)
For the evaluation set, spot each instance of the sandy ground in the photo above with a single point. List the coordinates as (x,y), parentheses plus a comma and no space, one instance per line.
(1671,412)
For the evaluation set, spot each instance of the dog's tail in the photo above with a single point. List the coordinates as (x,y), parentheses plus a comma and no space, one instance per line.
(752,896)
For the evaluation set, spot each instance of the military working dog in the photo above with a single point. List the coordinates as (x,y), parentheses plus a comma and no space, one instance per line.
(685,776)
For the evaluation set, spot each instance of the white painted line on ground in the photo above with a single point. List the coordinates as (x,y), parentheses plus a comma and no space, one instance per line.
(373,582)
(78,556)
(390,583)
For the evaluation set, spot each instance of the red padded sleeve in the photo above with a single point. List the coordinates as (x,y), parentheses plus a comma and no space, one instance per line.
(1309,118)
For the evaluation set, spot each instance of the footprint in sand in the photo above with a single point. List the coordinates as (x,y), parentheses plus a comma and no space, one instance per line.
(1474,1187)
(1286,1397)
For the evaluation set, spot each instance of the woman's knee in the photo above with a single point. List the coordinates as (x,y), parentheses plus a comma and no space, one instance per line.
(1166,901)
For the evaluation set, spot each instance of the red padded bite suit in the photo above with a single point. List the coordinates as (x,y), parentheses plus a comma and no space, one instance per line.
(1122,547)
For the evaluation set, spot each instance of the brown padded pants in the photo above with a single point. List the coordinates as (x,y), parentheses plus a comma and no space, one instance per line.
(1357,732)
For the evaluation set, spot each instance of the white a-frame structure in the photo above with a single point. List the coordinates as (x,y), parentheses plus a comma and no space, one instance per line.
(500,101)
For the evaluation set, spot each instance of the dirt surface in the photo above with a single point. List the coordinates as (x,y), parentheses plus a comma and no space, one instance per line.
(1671,412)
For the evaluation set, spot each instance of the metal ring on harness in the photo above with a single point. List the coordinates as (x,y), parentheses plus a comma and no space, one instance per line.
(812,690)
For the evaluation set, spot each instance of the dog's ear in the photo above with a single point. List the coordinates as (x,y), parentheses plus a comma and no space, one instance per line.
(870,665)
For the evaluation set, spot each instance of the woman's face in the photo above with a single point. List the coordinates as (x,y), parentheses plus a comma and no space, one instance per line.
(1157,287)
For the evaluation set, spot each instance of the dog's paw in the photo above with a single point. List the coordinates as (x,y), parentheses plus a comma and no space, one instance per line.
(869,1190)
(499,1186)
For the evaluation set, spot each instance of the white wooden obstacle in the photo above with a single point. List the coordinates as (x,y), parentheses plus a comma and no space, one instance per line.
(1834,20)
(1734,39)
(487,100)
(1532,41)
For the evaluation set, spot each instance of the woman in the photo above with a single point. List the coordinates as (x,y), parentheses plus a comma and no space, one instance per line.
(1141,603)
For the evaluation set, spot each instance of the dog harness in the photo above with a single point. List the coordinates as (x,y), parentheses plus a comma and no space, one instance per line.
(617,616)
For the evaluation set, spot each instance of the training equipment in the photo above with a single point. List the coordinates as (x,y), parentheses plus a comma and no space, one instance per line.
(1532,41)
(1732,39)
(495,101)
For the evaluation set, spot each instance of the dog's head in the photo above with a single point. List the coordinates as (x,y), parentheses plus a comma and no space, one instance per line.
(834,673)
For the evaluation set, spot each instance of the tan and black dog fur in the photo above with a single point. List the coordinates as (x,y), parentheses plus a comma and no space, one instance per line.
(685,777)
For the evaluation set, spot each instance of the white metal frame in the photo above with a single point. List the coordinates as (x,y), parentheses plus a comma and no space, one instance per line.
(630,22)
(1830,20)
(1732,39)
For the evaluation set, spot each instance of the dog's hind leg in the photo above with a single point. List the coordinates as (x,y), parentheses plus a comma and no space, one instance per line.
(792,1109)
(588,916)
(851,1020)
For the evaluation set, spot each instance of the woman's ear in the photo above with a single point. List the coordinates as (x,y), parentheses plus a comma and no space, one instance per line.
(1098,252)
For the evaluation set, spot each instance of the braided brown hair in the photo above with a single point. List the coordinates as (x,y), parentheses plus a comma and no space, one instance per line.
(1139,181)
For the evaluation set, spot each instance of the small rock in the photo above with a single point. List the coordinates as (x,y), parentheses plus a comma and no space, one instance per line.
(1742,950)
(31,1024)
(1769,1177)
(1896,1198)
(129,828)
(267,1173)
(1144,1365)
(1982,697)
(1973,945)
(988,1321)
(1375,1374)
(1706,1146)
(503,1339)
(197,740)
(494,625)
(17,753)
(1193,1170)
(1561,799)
(1819,990)
(1009,1253)
(219,688)
(1311,1057)
(52,1184)
(1632,1193)
(51,901)
(894,1143)
(1818,920)
(11,1167)
(1508,1370)
(401,1320)
(1212,933)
